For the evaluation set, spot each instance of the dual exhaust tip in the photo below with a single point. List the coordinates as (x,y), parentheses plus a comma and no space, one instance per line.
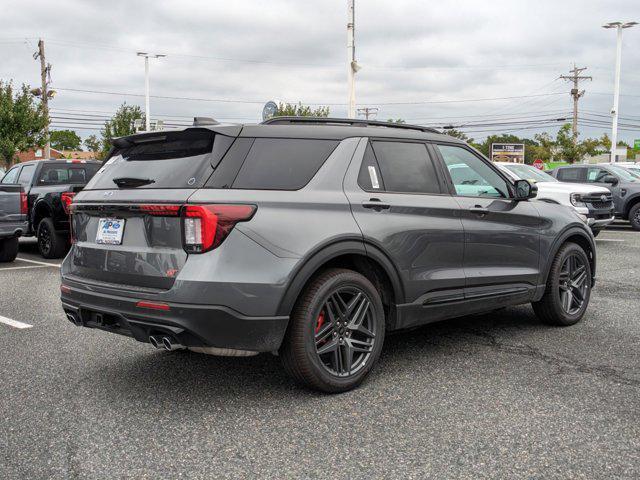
(166,342)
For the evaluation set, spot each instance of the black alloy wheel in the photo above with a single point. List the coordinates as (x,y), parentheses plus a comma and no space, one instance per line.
(568,287)
(573,283)
(344,331)
(336,331)
(44,239)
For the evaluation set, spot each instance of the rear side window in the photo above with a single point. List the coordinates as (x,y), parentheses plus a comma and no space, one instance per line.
(406,167)
(52,174)
(283,164)
(26,174)
(171,160)
(11,176)
(569,174)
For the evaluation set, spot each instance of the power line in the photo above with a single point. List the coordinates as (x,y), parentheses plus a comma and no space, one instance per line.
(576,94)
(260,102)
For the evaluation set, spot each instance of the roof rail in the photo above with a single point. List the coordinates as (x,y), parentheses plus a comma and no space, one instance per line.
(350,122)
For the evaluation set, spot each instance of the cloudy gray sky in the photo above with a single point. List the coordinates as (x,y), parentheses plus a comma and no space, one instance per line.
(424,61)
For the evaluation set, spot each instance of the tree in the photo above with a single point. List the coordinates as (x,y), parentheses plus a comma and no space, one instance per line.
(65,140)
(92,143)
(121,124)
(22,121)
(300,110)
(569,151)
(452,132)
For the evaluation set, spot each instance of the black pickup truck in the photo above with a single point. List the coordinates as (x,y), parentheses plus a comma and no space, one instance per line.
(13,219)
(49,187)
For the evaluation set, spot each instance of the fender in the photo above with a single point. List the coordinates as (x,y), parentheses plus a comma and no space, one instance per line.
(629,203)
(323,254)
(40,202)
(569,231)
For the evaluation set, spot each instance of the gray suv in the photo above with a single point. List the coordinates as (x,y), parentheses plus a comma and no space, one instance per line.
(312,239)
(624,186)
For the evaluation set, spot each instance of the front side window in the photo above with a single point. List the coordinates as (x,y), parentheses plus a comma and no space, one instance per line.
(471,176)
(11,176)
(596,175)
(406,167)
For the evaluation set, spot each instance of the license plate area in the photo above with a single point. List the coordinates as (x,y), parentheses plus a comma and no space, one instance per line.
(110,231)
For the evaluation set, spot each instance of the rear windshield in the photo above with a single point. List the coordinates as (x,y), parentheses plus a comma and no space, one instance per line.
(283,163)
(171,160)
(65,174)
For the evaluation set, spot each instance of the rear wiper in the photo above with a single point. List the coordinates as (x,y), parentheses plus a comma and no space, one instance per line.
(132,182)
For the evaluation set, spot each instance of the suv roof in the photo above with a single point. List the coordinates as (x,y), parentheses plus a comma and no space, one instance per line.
(58,160)
(308,127)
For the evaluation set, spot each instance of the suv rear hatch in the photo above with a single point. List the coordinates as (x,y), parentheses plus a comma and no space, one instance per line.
(128,224)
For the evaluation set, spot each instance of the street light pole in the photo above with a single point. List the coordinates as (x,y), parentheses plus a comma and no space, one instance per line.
(147,115)
(353,66)
(616,86)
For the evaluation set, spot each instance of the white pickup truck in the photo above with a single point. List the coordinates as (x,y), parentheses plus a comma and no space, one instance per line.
(593,203)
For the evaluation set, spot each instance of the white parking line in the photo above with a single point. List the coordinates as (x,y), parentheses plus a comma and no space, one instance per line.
(14,323)
(610,240)
(57,265)
(22,268)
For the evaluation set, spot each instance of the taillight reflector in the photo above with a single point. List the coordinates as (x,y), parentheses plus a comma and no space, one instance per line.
(65,289)
(66,198)
(24,204)
(153,305)
(206,226)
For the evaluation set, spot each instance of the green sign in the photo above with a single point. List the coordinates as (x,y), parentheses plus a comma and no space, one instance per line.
(636,144)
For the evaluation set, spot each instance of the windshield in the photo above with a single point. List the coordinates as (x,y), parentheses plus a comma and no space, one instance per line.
(625,175)
(527,172)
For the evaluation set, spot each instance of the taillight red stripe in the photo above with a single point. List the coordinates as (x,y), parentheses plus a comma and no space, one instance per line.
(161,210)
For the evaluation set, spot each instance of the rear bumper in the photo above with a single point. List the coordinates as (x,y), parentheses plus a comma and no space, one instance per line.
(190,325)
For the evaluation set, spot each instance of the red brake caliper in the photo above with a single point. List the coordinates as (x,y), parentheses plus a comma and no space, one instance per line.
(320,321)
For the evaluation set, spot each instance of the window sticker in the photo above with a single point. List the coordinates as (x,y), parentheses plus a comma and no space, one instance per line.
(374,177)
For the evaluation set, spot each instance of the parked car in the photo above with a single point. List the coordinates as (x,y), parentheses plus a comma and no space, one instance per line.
(624,185)
(635,169)
(593,203)
(312,238)
(13,219)
(50,186)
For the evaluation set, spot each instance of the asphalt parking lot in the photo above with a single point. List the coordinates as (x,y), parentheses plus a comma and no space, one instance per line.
(493,396)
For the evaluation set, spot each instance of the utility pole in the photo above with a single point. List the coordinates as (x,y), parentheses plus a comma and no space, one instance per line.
(616,87)
(353,66)
(576,94)
(45,70)
(368,111)
(147,114)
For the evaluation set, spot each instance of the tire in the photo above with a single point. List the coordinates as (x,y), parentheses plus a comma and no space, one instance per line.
(634,217)
(315,327)
(569,278)
(50,243)
(8,249)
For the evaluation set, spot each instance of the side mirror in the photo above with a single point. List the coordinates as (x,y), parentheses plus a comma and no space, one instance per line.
(524,190)
(611,180)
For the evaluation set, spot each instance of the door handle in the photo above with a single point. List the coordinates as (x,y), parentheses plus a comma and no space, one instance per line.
(376,204)
(479,210)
